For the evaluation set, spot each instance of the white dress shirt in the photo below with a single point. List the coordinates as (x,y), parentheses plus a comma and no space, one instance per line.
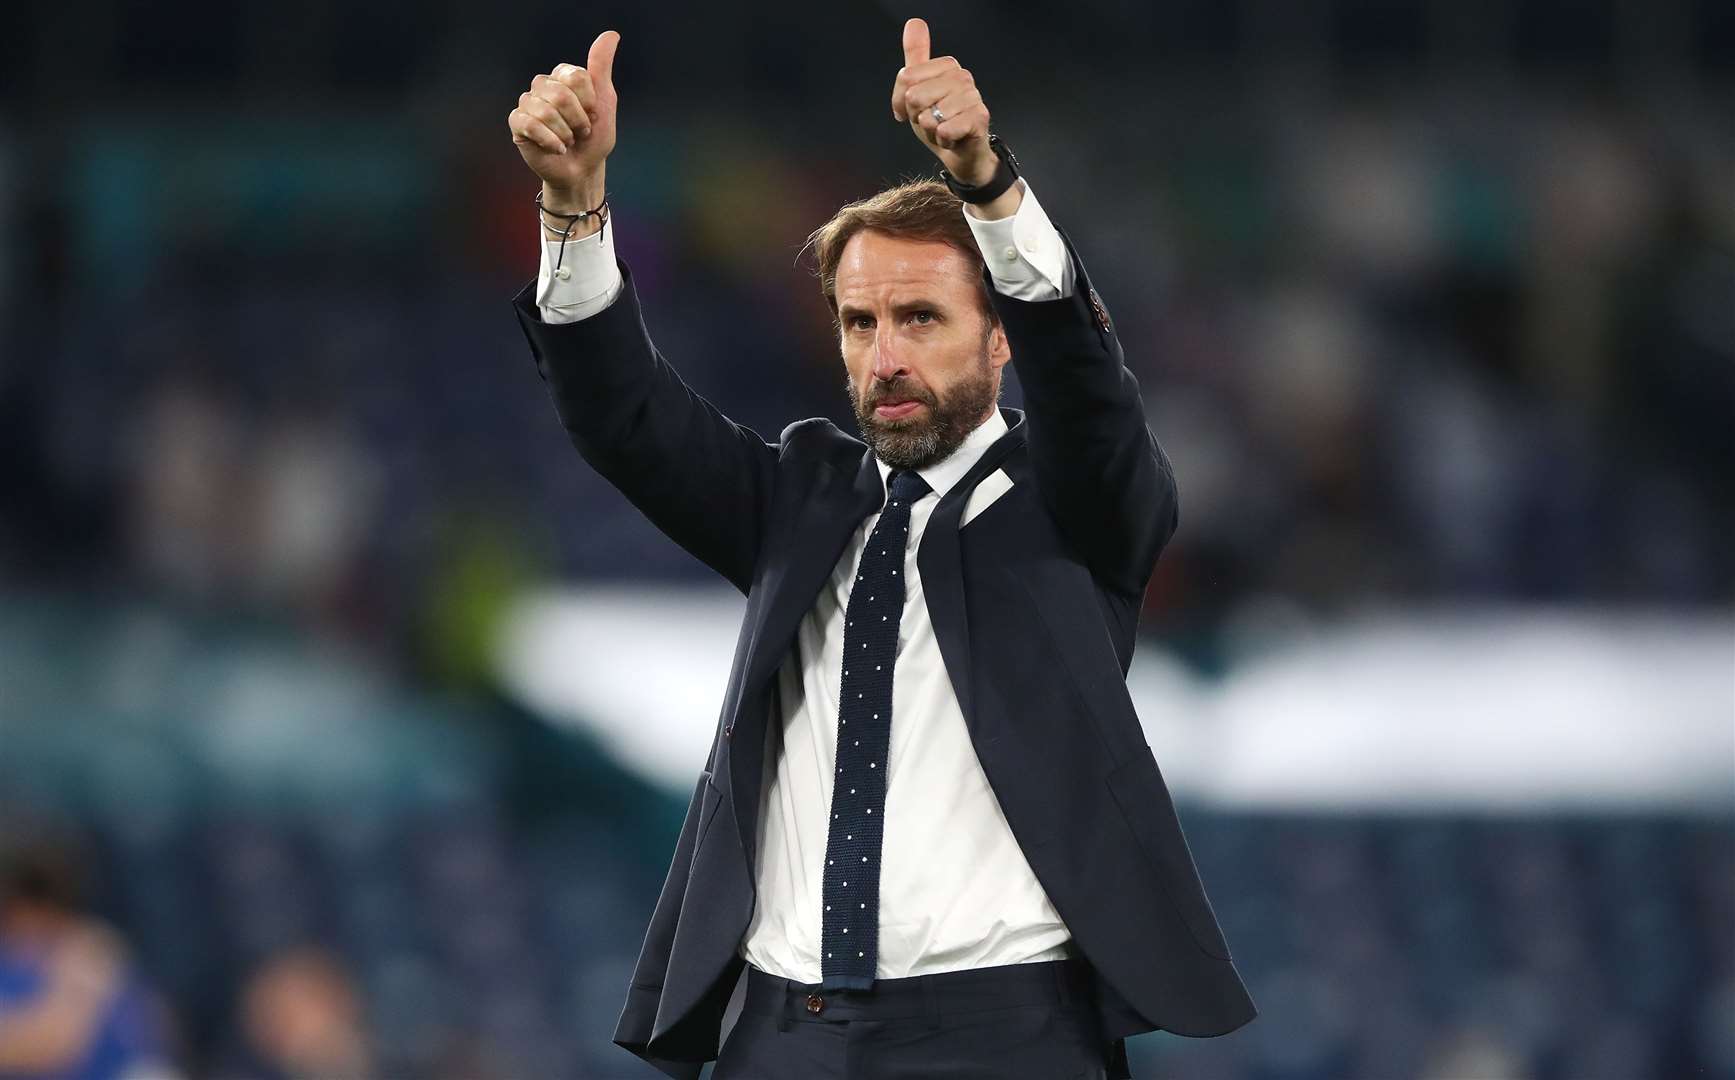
(955,888)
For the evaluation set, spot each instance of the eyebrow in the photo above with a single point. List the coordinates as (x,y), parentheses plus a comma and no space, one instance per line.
(845,312)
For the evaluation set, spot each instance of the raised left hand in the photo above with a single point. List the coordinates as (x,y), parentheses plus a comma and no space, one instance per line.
(960,138)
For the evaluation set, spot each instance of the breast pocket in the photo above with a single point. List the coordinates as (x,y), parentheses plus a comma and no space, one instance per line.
(985,494)
(1137,786)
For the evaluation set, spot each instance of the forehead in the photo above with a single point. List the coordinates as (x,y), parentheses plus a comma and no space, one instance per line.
(874,263)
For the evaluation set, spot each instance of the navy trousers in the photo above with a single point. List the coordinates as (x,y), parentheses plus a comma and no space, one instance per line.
(1033,1021)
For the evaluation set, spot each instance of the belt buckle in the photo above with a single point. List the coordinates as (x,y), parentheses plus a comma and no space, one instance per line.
(815,1003)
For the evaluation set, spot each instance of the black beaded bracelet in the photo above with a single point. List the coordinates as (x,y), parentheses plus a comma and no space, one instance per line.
(571,221)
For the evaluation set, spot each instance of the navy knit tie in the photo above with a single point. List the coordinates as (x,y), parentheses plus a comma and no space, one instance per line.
(849,934)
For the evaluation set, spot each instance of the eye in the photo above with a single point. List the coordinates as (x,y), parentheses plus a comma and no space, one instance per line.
(923,317)
(860,322)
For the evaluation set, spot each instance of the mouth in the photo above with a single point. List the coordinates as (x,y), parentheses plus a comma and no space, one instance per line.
(895,410)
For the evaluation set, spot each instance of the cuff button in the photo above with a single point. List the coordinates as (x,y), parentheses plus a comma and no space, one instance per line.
(562,273)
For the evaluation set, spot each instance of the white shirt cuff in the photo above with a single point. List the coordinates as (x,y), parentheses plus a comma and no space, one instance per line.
(587,281)
(1024,252)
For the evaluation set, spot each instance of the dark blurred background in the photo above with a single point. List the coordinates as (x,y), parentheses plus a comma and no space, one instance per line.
(1432,303)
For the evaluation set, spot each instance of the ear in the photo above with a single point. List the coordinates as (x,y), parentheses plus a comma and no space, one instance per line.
(999,349)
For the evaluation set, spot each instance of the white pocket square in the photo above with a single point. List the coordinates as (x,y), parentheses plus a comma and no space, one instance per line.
(994,485)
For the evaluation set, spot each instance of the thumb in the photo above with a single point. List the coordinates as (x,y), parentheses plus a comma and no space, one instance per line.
(601,62)
(915,42)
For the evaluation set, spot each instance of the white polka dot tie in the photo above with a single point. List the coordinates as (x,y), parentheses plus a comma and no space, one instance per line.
(849,927)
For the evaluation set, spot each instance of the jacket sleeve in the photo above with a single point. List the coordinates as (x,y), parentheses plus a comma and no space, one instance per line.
(701,478)
(1100,471)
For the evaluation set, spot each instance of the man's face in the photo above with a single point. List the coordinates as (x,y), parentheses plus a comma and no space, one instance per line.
(923,360)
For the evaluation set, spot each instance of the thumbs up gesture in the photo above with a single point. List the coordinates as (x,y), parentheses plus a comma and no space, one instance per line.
(940,102)
(564,125)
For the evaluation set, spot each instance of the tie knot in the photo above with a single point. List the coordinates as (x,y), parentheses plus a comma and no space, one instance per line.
(907,486)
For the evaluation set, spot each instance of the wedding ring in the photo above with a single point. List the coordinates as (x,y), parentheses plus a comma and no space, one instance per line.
(939,117)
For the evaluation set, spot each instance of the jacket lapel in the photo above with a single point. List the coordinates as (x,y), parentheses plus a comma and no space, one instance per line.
(941,564)
(821,531)
(823,528)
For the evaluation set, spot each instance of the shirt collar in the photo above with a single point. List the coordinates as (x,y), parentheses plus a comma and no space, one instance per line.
(941,475)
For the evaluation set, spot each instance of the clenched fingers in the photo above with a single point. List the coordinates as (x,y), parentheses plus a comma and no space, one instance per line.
(527,129)
(952,107)
(579,81)
(970,123)
(915,74)
(549,116)
(567,101)
(960,92)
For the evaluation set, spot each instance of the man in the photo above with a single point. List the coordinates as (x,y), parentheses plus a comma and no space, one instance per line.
(71,1005)
(971,869)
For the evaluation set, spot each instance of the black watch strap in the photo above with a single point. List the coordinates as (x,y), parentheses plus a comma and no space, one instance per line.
(1002,180)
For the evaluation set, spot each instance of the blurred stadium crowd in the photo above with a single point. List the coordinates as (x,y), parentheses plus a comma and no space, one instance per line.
(1416,319)
(1430,303)
(455,943)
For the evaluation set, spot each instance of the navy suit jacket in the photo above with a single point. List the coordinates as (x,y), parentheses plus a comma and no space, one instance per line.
(1035,606)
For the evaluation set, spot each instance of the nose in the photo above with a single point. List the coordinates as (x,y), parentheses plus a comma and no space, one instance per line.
(888,361)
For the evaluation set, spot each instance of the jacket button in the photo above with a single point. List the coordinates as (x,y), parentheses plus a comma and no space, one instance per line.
(815,1003)
(728,730)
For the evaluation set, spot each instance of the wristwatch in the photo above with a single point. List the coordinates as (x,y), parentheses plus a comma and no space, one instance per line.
(995,187)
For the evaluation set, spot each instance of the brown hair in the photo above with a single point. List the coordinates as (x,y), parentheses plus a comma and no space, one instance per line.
(913,210)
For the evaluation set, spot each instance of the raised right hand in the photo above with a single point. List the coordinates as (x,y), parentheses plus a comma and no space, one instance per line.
(564,126)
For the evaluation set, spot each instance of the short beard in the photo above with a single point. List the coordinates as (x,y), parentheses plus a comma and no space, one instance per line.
(930,436)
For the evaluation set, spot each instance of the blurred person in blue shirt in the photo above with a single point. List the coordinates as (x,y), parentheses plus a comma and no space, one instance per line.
(71,1005)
